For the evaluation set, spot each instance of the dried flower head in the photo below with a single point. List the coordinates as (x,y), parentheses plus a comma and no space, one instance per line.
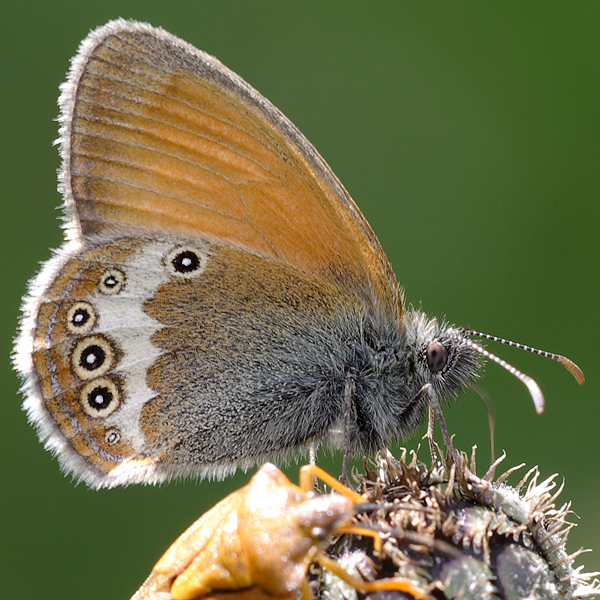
(457,535)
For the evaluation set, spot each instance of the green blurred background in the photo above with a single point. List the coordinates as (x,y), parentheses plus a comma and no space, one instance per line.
(468,133)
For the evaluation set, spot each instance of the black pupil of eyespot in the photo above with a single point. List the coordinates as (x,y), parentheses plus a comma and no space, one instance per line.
(437,356)
(92,357)
(100,398)
(81,317)
(186,262)
(110,281)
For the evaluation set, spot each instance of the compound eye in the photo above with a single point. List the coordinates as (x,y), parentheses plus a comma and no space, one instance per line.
(437,356)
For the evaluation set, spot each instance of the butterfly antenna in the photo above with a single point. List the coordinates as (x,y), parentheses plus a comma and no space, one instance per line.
(532,386)
(563,360)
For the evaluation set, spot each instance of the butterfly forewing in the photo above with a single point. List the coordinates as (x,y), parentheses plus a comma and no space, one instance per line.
(159,135)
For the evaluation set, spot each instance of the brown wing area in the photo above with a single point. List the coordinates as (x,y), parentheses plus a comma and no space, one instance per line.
(159,136)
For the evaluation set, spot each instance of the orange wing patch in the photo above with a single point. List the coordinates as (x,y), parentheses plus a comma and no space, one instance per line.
(163,137)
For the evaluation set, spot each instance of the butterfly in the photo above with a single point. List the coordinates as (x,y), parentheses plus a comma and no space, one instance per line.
(219,299)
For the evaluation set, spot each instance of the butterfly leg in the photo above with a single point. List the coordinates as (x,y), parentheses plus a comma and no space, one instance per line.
(430,433)
(348,394)
(312,456)
(435,411)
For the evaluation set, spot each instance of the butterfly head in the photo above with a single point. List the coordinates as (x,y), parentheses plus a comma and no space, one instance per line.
(447,359)
(442,355)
